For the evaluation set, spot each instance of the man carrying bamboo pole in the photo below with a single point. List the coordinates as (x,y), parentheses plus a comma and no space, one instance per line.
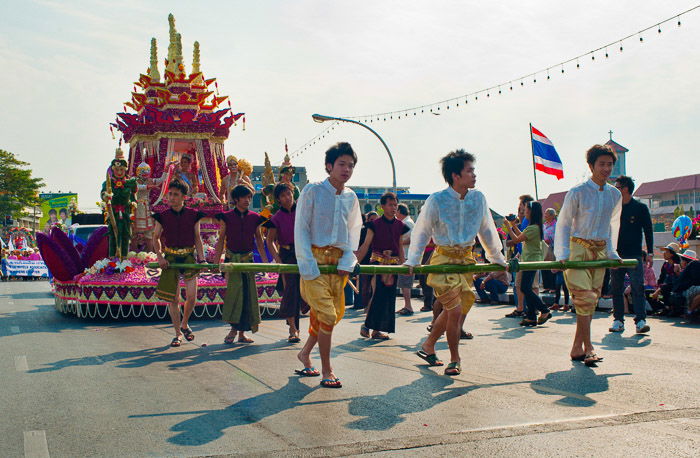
(587,230)
(383,240)
(453,217)
(178,229)
(239,231)
(326,231)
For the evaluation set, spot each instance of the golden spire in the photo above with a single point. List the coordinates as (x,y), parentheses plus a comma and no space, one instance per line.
(178,58)
(153,69)
(195,58)
(172,46)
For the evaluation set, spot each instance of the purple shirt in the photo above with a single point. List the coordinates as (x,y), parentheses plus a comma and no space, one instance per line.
(240,229)
(178,227)
(283,221)
(387,235)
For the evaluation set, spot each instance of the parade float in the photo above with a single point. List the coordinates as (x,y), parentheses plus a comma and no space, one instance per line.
(175,129)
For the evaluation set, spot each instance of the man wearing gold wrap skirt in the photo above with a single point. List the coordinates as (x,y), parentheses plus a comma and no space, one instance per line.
(453,218)
(326,231)
(587,230)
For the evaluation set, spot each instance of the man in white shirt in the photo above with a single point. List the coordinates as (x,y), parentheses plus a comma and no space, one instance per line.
(326,231)
(453,218)
(405,282)
(587,230)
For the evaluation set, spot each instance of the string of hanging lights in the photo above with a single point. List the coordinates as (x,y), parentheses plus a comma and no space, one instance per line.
(437,108)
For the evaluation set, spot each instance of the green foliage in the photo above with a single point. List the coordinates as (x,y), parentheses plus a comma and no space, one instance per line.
(18,189)
(678,211)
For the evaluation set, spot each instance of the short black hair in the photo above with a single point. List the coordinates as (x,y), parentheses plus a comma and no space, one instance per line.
(279,189)
(52,211)
(403,209)
(371,213)
(240,191)
(387,196)
(63,210)
(180,186)
(595,151)
(525,198)
(454,162)
(340,149)
(625,182)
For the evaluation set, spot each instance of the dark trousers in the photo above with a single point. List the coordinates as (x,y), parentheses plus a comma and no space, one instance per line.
(428,293)
(533,303)
(560,284)
(548,279)
(617,283)
(491,291)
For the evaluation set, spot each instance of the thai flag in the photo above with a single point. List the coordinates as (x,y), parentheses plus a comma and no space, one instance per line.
(545,156)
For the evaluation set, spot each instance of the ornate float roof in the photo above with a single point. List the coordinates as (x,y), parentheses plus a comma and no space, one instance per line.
(182,102)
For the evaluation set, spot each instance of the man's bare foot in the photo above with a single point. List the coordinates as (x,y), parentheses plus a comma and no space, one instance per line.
(430,350)
(304,358)
(230,337)
(329,376)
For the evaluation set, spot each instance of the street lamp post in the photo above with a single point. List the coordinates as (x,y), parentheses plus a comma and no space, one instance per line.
(323,118)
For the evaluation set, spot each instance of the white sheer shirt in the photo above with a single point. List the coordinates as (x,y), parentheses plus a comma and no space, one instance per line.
(325,218)
(589,213)
(452,221)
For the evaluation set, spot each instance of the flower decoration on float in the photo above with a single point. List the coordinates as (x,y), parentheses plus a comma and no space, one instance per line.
(245,167)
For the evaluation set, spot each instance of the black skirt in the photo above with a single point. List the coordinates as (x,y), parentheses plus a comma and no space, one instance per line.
(382,307)
(292,303)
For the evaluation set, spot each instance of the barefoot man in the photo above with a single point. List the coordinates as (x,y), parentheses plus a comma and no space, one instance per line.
(326,231)
(453,218)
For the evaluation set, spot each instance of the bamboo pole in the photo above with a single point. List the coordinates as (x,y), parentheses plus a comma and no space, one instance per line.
(436,269)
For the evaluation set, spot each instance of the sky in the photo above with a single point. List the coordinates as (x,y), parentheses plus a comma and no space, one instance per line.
(68,66)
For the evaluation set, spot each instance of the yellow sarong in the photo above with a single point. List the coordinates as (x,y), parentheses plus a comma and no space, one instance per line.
(585,285)
(325,294)
(453,289)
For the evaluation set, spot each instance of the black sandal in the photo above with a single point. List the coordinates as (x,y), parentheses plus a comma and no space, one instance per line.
(177,341)
(187,332)
(515,314)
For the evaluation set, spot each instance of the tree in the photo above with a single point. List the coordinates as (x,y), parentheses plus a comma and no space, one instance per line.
(18,189)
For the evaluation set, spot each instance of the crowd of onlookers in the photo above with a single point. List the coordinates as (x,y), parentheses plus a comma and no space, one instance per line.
(27,254)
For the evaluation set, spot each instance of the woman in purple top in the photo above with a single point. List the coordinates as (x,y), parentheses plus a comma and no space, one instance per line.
(240,229)
(384,241)
(280,241)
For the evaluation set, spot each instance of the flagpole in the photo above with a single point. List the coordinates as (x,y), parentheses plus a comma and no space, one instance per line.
(534,171)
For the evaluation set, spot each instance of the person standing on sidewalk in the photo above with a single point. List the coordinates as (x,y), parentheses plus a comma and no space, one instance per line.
(405,282)
(587,230)
(635,219)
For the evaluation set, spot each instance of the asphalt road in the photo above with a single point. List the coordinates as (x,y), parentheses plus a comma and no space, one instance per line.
(71,387)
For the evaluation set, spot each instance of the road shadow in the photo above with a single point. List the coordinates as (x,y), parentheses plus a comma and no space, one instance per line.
(574,385)
(209,425)
(614,341)
(384,411)
(30,295)
(184,357)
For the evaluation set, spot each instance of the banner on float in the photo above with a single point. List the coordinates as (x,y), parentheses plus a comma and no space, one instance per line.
(55,207)
(24,268)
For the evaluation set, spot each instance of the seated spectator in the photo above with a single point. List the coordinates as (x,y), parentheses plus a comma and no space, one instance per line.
(650,283)
(687,287)
(489,286)
(660,298)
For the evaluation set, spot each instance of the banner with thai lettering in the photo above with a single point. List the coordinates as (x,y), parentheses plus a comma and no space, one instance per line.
(24,268)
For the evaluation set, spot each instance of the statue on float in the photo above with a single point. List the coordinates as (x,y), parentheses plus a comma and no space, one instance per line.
(119,197)
(143,222)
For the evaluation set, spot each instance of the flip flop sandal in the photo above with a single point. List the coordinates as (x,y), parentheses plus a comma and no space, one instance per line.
(293,339)
(405,312)
(187,332)
(246,340)
(331,383)
(429,328)
(542,321)
(528,323)
(592,359)
(229,340)
(177,341)
(364,331)
(453,369)
(578,358)
(466,335)
(380,336)
(432,360)
(308,372)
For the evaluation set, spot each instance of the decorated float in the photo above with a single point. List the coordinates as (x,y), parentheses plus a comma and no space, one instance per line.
(175,129)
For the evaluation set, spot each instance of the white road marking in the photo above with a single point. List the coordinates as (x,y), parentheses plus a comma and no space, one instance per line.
(14,329)
(35,445)
(21,363)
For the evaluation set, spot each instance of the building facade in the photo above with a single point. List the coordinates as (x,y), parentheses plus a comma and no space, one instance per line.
(665,197)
